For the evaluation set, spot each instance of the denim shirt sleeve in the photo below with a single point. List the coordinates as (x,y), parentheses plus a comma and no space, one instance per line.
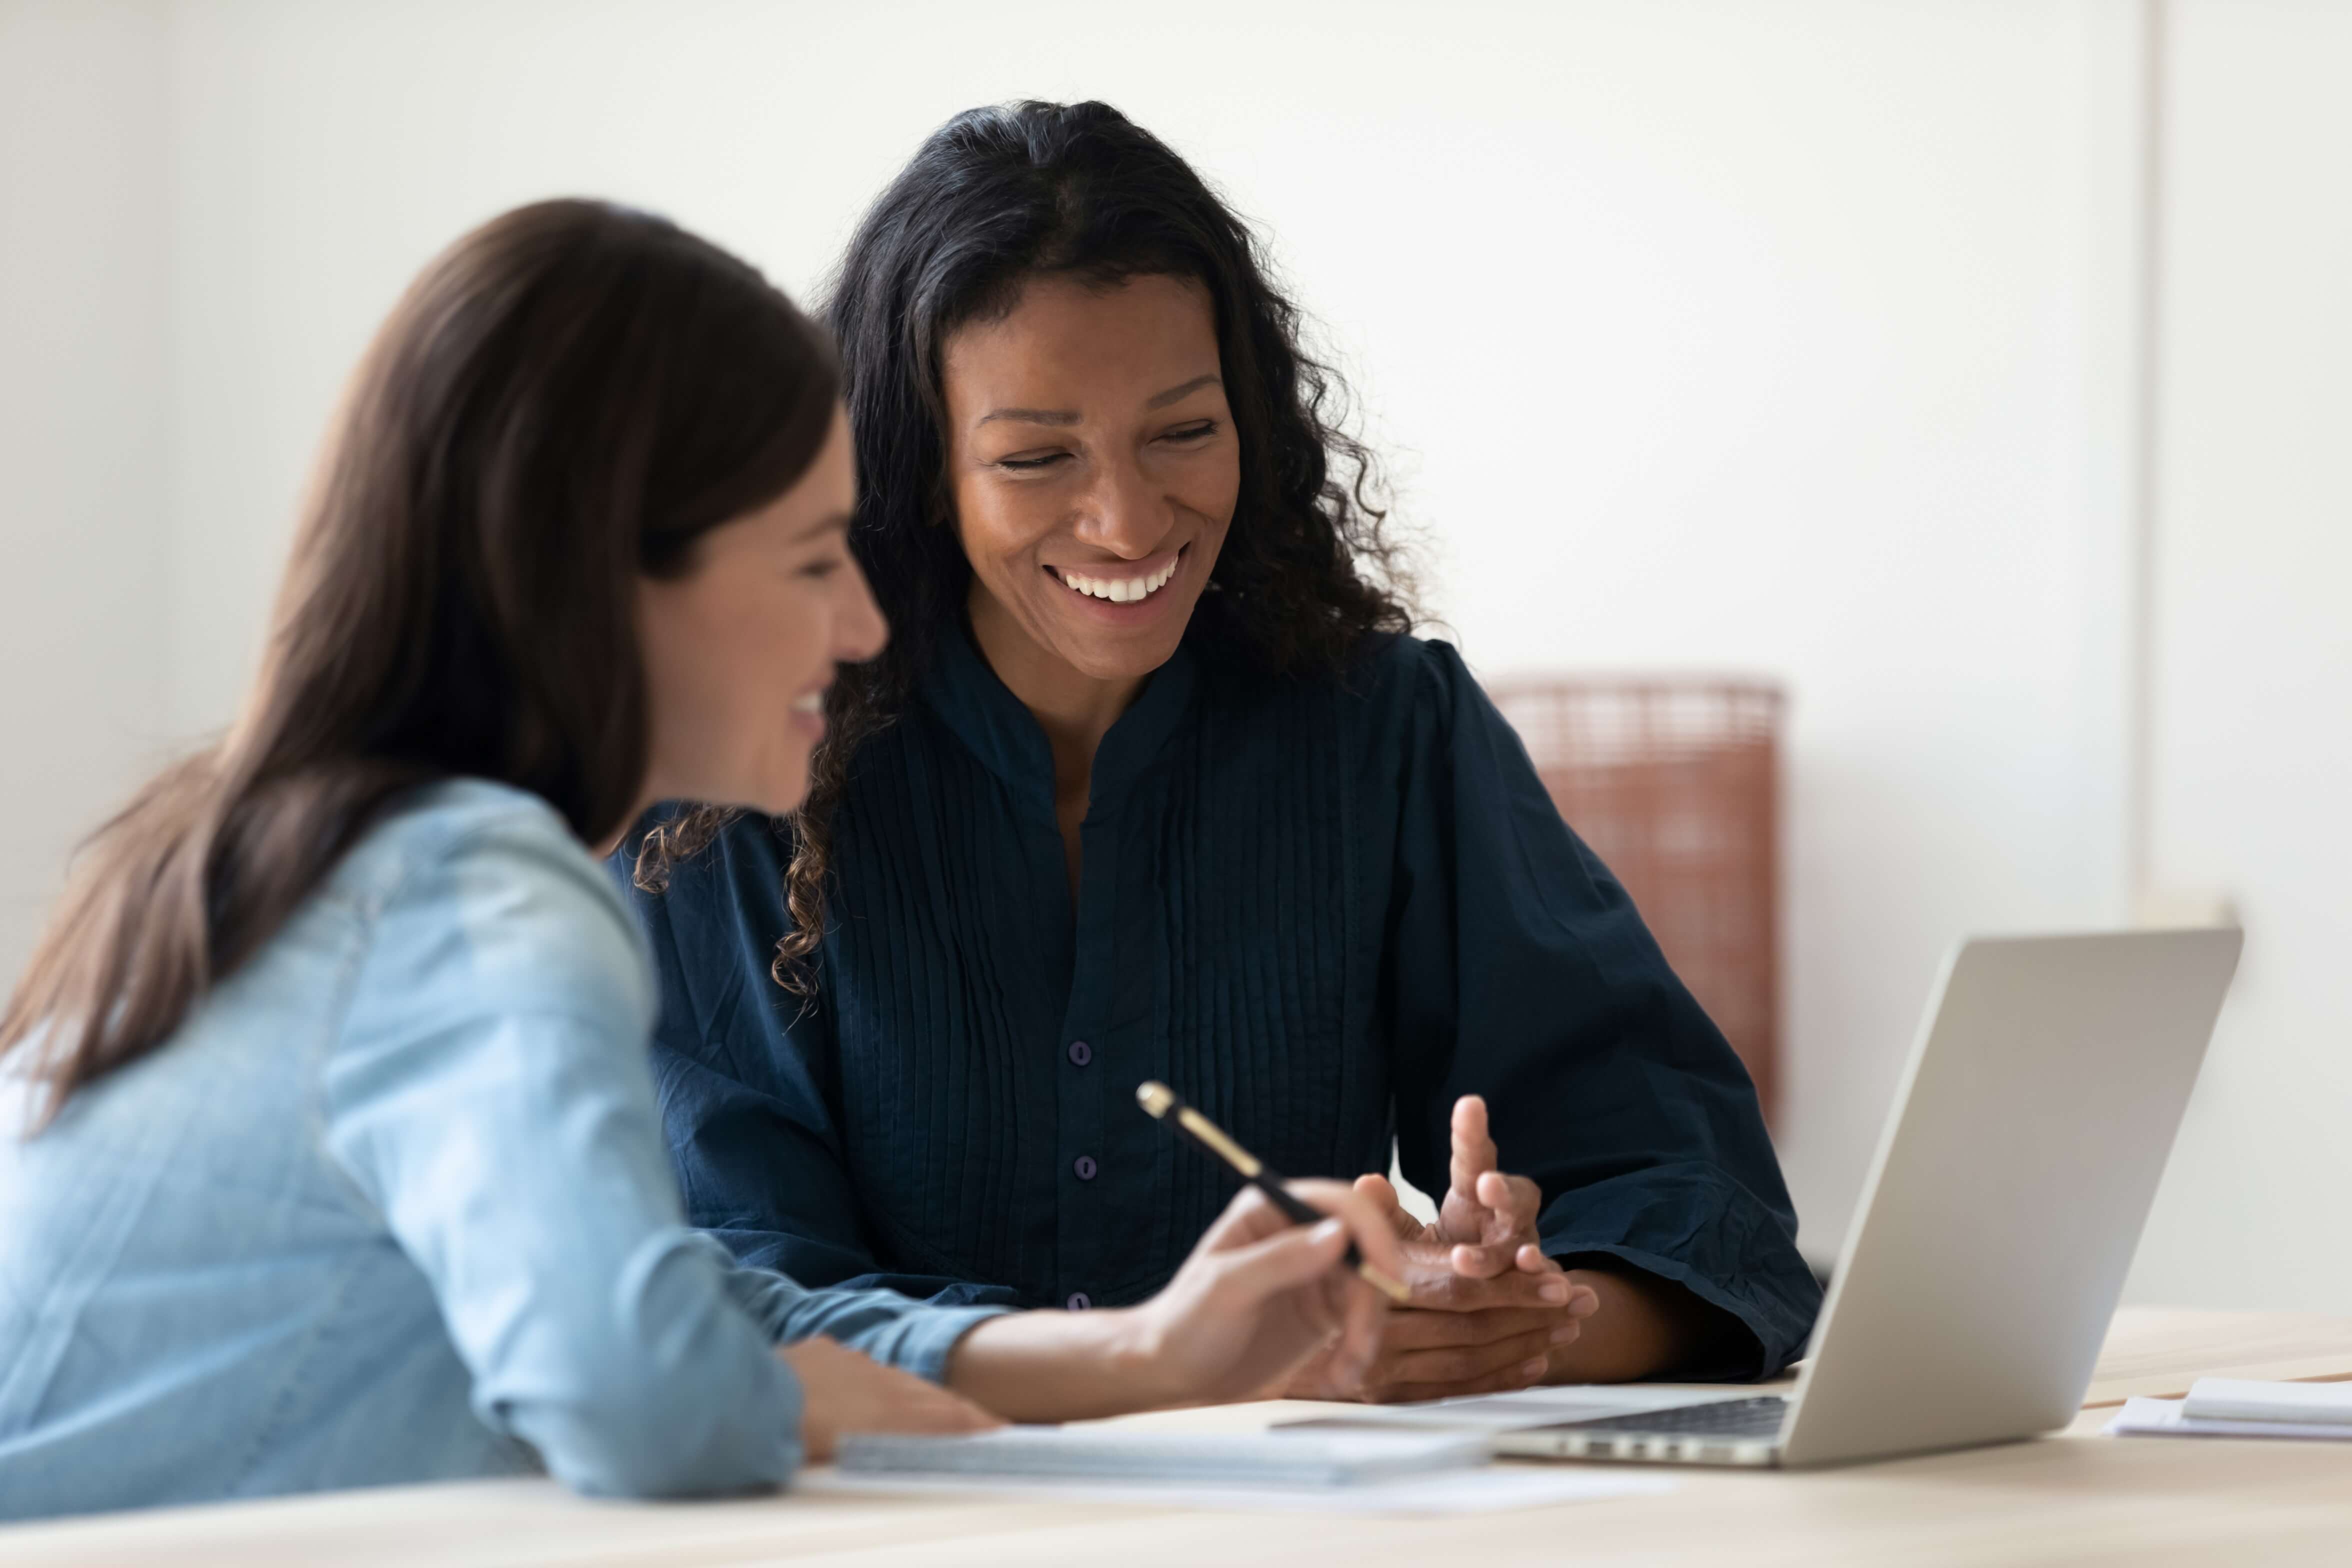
(1535,981)
(491,1097)
(881,1324)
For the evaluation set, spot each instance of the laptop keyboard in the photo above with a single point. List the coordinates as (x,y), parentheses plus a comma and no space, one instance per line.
(1758,1418)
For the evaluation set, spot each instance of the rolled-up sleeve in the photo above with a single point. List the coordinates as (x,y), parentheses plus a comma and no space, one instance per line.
(913,1336)
(1525,975)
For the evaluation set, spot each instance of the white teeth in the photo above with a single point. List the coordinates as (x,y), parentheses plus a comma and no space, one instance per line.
(812,703)
(1120,590)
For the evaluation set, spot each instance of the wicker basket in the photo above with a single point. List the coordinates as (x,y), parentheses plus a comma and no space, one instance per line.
(1675,784)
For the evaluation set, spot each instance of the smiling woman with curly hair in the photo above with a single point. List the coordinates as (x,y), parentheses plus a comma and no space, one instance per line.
(1152,782)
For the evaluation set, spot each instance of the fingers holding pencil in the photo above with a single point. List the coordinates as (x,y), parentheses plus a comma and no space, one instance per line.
(1278,1280)
(1344,1220)
(1275,1289)
(1259,1295)
(1172,1113)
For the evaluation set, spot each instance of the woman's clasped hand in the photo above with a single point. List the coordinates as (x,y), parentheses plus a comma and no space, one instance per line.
(1488,1311)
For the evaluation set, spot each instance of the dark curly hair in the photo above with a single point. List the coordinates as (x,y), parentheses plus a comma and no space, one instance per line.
(995,197)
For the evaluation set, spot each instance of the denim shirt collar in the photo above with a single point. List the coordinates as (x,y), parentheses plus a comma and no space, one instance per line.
(965,692)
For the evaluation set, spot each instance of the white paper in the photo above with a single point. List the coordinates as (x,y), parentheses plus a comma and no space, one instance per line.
(1486,1490)
(1207,1459)
(2167,1418)
(2242,1399)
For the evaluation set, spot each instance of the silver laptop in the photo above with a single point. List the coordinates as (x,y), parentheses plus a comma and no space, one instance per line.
(2006,1198)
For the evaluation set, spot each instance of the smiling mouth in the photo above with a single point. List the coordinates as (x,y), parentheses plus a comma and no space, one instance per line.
(1120,590)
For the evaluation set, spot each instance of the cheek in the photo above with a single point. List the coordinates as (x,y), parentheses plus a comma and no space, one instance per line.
(1218,488)
(742,667)
(778,648)
(998,525)
(677,685)
(722,668)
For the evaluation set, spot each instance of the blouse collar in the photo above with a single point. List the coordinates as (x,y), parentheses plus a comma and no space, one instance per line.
(966,694)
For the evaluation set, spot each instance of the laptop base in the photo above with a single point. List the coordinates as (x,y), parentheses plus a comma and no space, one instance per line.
(1741,1433)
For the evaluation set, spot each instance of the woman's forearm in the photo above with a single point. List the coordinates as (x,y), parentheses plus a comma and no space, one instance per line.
(1059,1366)
(1644,1326)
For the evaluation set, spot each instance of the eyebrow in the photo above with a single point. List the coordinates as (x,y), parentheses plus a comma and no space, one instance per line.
(1177,394)
(1067,416)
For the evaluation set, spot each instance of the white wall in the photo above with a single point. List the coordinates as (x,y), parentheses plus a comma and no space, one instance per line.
(83,109)
(1791,339)
(2253,677)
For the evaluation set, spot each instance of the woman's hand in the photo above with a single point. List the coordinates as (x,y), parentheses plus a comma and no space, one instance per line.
(1488,1219)
(842,1391)
(1489,1311)
(1258,1297)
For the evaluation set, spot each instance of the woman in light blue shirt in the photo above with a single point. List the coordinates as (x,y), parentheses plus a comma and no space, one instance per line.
(332,1155)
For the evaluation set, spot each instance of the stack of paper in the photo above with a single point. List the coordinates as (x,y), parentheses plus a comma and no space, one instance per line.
(2234,1408)
(1355,1473)
(1091,1453)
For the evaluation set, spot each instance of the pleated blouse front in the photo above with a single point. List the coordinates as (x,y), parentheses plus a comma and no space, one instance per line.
(1318,908)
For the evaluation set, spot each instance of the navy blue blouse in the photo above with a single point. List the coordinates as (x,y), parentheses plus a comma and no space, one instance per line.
(1319,908)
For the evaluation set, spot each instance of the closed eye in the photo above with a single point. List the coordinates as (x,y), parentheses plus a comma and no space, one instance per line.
(1026,465)
(1201,431)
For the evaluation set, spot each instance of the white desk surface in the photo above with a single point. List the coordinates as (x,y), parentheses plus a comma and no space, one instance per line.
(2075,1498)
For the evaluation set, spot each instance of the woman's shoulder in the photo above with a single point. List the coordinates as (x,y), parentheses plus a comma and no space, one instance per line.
(1402,661)
(1387,672)
(486,884)
(475,840)
(459,817)
(1397,698)
(1389,680)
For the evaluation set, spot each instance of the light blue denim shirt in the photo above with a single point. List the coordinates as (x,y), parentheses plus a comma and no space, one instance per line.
(393,1205)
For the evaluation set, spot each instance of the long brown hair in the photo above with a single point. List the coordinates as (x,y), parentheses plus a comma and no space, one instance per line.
(566,399)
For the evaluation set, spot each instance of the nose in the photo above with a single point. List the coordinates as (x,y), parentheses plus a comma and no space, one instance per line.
(859,629)
(1124,512)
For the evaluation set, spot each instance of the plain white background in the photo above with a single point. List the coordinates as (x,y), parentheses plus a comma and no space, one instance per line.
(1801,340)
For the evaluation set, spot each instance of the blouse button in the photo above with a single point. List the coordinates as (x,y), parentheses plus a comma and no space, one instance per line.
(1079,1301)
(1085,1166)
(1081,1053)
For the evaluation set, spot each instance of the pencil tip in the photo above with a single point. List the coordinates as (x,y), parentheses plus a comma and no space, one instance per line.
(1154,1097)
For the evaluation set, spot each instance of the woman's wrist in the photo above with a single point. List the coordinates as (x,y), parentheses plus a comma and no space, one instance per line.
(1062,1366)
(1644,1327)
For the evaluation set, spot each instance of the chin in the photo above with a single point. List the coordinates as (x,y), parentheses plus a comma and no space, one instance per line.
(782,793)
(1127,663)
(1131,657)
